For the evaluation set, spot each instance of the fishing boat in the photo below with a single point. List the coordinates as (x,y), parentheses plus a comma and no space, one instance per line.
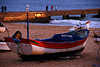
(69,43)
(64,44)
(2,28)
(96,38)
(3,45)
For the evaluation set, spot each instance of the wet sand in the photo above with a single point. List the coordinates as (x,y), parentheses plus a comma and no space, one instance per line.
(10,59)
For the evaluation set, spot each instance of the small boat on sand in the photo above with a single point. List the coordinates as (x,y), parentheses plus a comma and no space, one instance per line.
(96,37)
(3,45)
(64,44)
(2,28)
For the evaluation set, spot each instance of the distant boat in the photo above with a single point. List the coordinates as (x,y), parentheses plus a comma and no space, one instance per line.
(3,45)
(2,28)
(97,41)
(69,43)
(96,36)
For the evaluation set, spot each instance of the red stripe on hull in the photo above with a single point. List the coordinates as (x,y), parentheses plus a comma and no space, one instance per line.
(61,45)
(52,45)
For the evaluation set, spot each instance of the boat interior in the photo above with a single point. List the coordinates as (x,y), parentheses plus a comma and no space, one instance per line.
(68,37)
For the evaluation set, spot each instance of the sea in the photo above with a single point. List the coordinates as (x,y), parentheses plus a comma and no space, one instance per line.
(40,5)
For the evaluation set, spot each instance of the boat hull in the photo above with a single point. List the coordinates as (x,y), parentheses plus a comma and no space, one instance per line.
(53,55)
(4,47)
(30,49)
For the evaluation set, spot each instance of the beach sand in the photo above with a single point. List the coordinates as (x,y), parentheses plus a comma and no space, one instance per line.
(10,59)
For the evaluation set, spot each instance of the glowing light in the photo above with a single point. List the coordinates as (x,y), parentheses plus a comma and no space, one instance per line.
(38,15)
